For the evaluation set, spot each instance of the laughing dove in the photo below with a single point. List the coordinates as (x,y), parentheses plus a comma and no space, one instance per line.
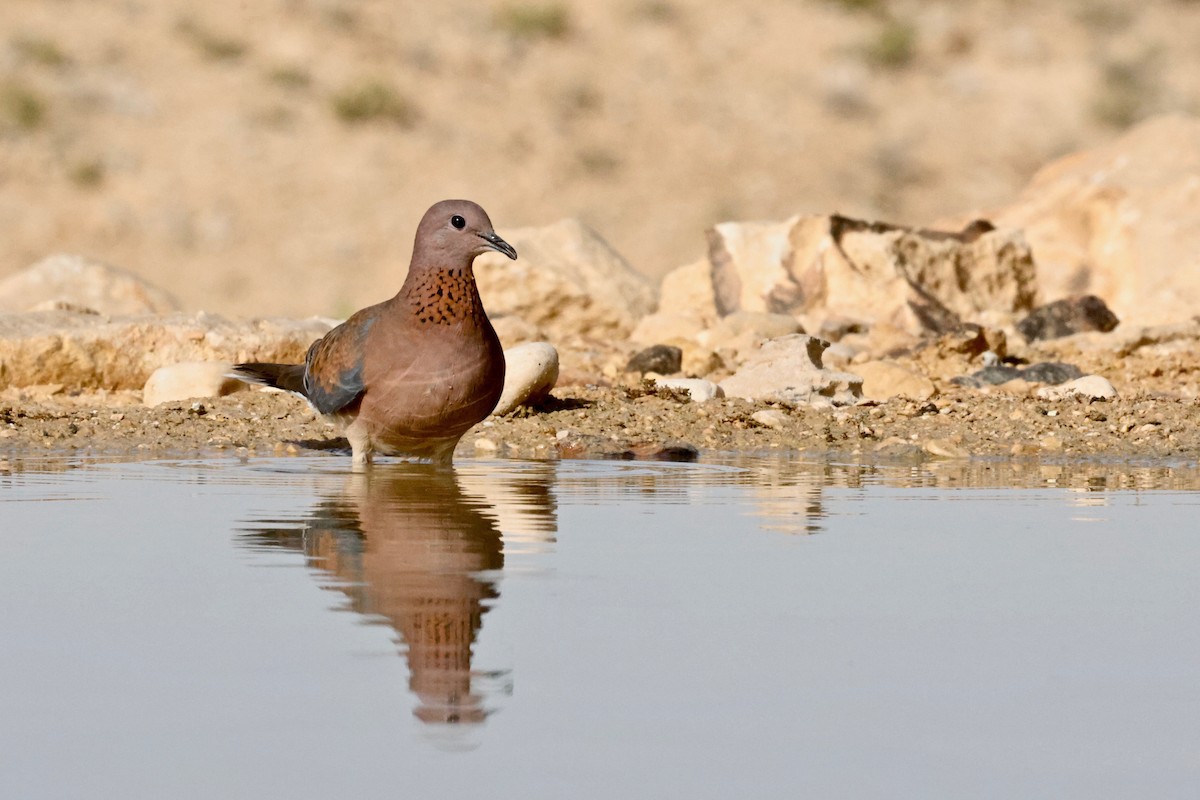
(410,375)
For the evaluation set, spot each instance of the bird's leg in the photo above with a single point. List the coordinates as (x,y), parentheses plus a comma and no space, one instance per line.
(360,447)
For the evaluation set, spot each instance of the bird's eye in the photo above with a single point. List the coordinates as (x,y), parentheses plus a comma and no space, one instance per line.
(458,222)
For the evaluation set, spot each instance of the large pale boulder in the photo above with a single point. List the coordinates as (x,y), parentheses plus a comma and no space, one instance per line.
(749,263)
(90,352)
(566,281)
(789,370)
(72,281)
(825,267)
(1122,222)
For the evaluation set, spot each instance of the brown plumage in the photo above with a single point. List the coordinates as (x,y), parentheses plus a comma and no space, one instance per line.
(410,375)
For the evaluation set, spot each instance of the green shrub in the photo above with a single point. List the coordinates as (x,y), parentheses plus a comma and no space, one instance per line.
(211,44)
(39,51)
(21,107)
(87,174)
(535,21)
(1127,92)
(290,77)
(374,101)
(895,45)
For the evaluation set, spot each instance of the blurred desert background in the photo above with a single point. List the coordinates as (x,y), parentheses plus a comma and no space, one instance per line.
(272,157)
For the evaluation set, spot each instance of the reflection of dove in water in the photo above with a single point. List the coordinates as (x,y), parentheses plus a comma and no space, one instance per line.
(410,375)
(409,548)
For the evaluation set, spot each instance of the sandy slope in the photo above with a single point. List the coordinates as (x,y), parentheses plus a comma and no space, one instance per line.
(199,143)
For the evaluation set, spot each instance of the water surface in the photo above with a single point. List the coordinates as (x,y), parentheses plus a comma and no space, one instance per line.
(759,627)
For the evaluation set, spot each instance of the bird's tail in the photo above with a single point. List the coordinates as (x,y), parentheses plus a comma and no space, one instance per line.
(289,377)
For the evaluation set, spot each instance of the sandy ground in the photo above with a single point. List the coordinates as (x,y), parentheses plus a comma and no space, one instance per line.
(631,422)
(1153,419)
(273,157)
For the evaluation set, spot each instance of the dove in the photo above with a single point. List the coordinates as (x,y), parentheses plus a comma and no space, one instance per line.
(411,375)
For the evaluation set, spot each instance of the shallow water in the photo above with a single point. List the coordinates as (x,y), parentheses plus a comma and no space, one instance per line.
(760,628)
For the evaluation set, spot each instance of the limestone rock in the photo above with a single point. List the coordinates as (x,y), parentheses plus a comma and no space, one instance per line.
(883,380)
(1121,221)
(699,390)
(742,329)
(1068,316)
(531,370)
(839,354)
(664,359)
(664,326)
(190,379)
(835,267)
(1091,387)
(770,418)
(749,266)
(92,352)
(688,290)
(1178,335)
(566,281)
(71,282)
(789,370)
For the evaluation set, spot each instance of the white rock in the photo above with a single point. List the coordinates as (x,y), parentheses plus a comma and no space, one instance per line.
(699,390)
(531,371)
(190,379)
(1093,387)
(789,369)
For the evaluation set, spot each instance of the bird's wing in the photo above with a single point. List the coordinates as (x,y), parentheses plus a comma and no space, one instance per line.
(333,368)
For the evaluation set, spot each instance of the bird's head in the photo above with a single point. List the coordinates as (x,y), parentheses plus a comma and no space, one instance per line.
(453,232)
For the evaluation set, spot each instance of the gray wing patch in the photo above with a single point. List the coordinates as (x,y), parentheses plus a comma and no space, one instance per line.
(333,368)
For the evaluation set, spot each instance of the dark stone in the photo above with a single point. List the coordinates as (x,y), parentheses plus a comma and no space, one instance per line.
(661,358)
(1067,316)
(988,376)
(1051,372)
(1048,372)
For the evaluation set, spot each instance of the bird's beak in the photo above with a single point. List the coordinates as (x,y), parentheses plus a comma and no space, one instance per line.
(494,242)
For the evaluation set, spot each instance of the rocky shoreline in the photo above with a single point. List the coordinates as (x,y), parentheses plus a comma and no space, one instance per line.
(816,334)
(637,422)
